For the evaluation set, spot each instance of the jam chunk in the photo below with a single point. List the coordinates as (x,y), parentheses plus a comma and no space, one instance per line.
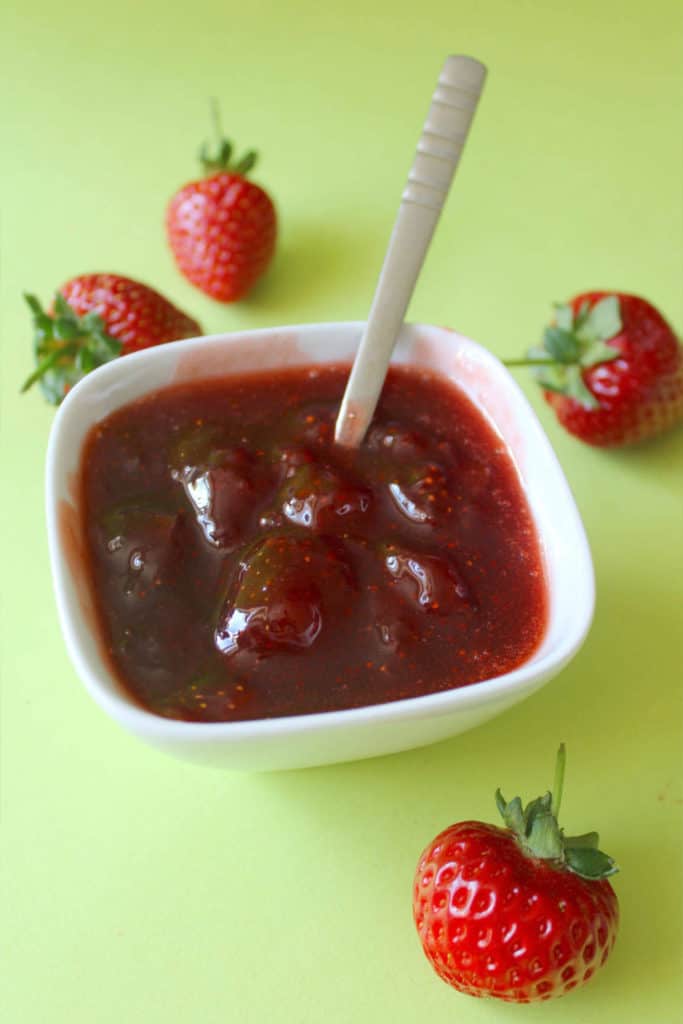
(324,499)
(429,583)
(146,577)
(286,591)
(226,494)
(142,547)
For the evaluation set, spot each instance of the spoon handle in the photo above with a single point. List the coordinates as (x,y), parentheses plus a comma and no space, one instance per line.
(438,153)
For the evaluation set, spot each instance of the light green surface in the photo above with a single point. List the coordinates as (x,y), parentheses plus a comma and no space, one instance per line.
(140,889)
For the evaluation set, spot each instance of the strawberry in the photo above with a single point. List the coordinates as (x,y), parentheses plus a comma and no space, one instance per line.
(222,228)
(520,913)
(611,368)
(94,318)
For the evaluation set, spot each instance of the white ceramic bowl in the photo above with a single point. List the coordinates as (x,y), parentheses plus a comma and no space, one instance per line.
(303,740)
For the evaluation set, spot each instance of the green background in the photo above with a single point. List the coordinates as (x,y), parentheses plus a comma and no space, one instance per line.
(137,888)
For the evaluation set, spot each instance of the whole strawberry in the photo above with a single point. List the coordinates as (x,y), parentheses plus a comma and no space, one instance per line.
(520,913)
(94,318)
(611,368)
(222,227)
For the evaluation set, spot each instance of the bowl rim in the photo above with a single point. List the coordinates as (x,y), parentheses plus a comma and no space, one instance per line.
(116,701)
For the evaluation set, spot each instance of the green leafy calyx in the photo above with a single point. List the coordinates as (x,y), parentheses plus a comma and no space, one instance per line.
(573,344)
(221,158)
(538,833)
(66,347)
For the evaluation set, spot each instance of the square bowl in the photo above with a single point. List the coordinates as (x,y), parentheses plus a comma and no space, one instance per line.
(313,739)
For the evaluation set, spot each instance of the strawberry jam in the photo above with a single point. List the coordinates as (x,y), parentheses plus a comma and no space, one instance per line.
(243,566)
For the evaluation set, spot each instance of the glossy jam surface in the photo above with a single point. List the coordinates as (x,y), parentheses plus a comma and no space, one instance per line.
(245,567)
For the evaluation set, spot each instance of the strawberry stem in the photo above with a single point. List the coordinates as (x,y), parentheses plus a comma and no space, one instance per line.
(540,361)
(575,342)
(46,364)
(540,836)
(216,120)
(221,161)
(66,347)
(558,781)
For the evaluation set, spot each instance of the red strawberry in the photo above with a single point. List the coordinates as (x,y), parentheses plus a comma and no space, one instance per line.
(94,318)
(611,368)
(521,913)
(222,228)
